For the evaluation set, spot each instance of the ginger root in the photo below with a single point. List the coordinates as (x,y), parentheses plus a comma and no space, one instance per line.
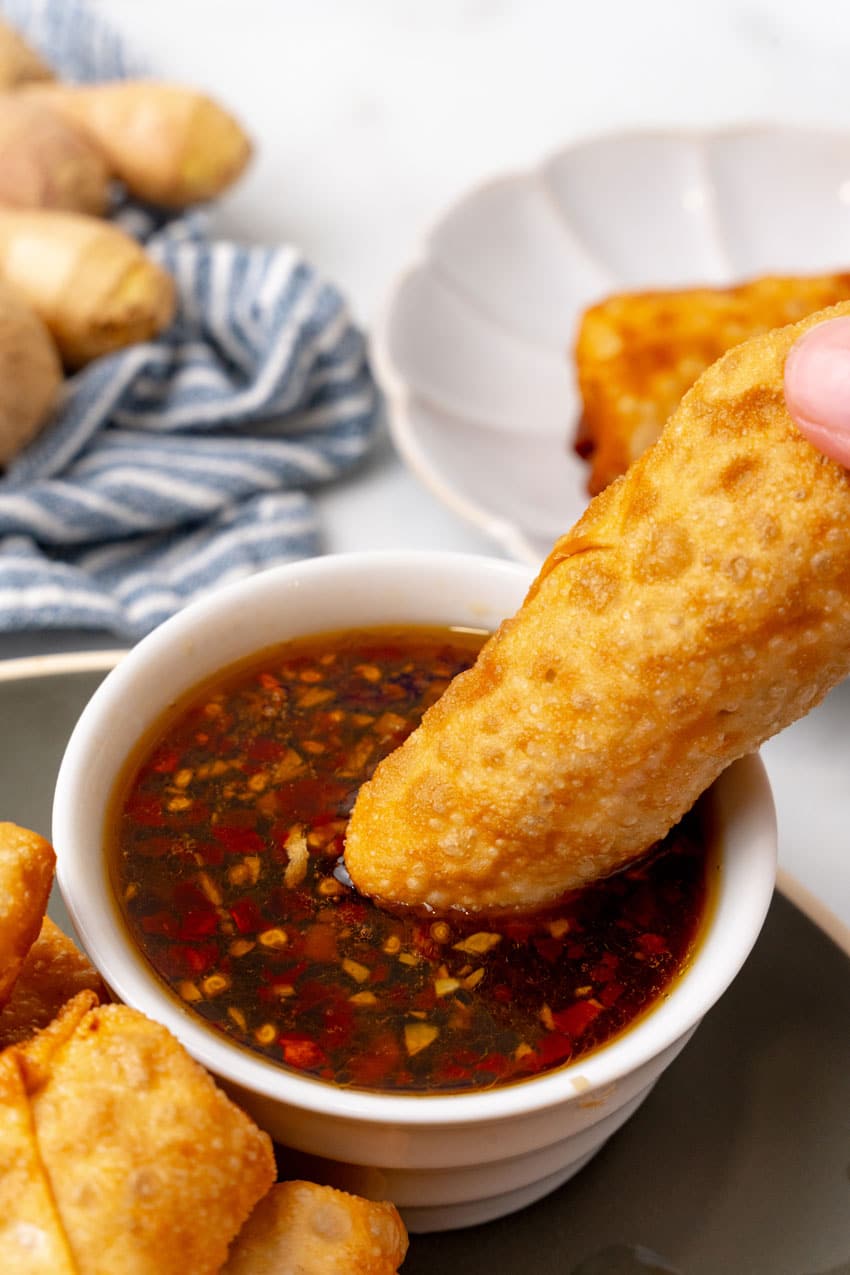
(19,64)
(30,374)
(91,284)
(169,145)
(46,162)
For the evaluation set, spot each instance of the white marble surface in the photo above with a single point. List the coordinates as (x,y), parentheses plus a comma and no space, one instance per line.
(370,116)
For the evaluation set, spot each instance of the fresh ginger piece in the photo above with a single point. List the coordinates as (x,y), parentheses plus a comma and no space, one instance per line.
(46,161)
(19,64)
(30,374)
(169,145)
(93,286)
(26,875)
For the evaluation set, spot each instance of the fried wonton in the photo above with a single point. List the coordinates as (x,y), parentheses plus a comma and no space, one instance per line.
(303,1229)
(701,604)
(151,1169)
(32,1238)
(54,971)
(637,353)
(26,874)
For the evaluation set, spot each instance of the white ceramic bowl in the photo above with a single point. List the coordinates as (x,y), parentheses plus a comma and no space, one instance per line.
(447,1160)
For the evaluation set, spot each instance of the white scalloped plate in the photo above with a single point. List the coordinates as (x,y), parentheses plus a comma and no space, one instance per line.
(473,349)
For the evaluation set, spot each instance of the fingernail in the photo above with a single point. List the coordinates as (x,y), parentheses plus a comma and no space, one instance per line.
(817,387)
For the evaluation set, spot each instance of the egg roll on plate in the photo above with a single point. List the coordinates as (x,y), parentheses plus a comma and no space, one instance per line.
(701,604)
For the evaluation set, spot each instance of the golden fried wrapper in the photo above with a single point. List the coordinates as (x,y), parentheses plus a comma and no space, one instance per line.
(26,874)
(152,1168)
(54,971)
(303,1229)
(638,353)
(32,1239)
(700,605)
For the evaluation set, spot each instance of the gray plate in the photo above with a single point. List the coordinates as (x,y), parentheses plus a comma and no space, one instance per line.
(738,1163)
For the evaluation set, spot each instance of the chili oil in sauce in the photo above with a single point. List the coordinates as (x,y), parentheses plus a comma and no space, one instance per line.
(227,836)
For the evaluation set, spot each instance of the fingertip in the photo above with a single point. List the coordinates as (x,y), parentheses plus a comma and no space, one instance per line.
(817,387)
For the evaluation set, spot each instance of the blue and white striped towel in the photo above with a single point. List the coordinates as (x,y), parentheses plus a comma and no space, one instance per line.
(173,466)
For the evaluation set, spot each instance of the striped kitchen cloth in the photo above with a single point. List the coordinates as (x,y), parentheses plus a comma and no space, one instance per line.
(176,465)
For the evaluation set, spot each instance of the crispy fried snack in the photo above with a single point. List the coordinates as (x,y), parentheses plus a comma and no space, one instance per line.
(54,971)
(149,1166)
(700,605)
(303,1229)
(637,354)
(32,1240)
(26,874)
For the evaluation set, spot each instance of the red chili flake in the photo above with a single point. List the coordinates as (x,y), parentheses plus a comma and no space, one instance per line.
(239,840)
(424,944)
(165,762)
(247,916)
(159,923)
(502,993)
(269,682)
(604,970)
(187,896)
(653,943)
(610,994)
(380,973)
(576,1018)
(554,1048)
(198,923)
(496,1063)
(264,749)
(375,1064)
(575,951)
(302,1053)
(145,809)
(197,959)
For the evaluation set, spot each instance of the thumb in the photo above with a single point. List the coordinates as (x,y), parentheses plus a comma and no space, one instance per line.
(817,387)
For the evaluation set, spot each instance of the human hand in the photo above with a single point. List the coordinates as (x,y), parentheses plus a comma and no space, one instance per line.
(817,387)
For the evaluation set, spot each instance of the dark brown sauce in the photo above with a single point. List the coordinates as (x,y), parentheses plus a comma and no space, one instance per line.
(226,837)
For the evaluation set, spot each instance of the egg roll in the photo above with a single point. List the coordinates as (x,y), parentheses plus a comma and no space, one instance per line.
(638,352)
(701,604)
(26,875)
(300,1228)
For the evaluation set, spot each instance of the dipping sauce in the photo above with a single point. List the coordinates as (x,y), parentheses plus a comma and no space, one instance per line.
(227,834)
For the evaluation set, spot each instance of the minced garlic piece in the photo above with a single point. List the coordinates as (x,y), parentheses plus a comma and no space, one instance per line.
(355,970)
(478,944)
(418,1036)
(296,848)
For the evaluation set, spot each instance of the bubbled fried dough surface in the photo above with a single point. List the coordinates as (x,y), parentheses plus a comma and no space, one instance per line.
(26,874)
(300,1228)
(637,353)
(701,604)
(150,1166)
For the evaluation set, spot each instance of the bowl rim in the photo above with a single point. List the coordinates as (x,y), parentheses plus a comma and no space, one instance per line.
(741,798)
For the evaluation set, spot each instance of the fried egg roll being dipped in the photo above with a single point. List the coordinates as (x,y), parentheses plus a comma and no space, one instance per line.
(701,604)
